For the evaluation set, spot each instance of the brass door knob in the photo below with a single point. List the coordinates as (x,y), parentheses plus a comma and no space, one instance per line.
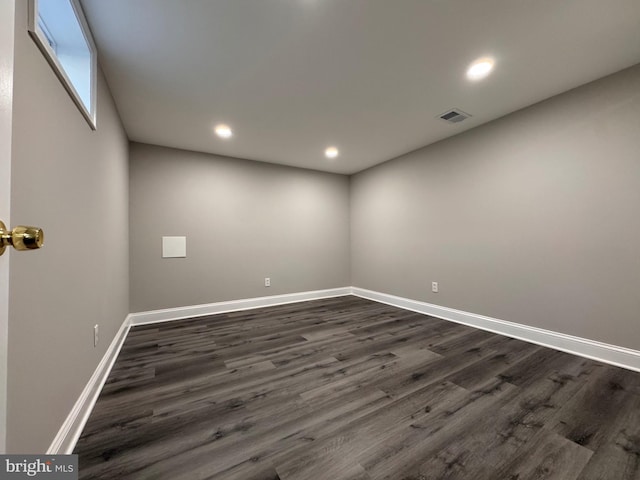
(21,238)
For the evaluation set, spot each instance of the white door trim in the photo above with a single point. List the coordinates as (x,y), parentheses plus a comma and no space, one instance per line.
(7,25)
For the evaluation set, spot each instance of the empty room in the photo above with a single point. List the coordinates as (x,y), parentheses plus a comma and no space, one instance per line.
(320,239)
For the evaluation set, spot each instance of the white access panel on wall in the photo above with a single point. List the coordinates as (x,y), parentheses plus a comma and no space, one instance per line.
(174,247)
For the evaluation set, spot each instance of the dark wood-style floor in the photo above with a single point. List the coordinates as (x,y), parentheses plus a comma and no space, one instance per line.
(346,388)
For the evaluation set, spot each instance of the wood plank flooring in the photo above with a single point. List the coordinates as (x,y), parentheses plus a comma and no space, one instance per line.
(348,389)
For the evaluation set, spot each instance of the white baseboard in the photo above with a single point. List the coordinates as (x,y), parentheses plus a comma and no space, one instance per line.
(68,435)
(602,352)
(70,431)
(170,314)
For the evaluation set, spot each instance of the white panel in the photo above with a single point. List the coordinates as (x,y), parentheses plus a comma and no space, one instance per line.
(174,247)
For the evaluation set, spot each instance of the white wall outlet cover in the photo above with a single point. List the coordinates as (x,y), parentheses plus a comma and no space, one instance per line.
(174,247)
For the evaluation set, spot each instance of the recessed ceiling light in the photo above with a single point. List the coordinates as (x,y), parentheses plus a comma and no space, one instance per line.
(331,152)
(223,131)
(480,68)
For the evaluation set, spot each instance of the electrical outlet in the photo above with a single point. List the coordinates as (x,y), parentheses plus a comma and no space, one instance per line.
(267,282)
(434,287)
(95,335)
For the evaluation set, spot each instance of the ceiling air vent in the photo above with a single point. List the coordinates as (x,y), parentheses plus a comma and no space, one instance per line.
(454,116)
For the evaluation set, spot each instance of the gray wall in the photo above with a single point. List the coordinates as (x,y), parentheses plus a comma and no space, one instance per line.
(246,221)
(533,218)
(73,183)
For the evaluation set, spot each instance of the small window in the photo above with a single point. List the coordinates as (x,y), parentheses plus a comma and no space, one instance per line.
(61,31)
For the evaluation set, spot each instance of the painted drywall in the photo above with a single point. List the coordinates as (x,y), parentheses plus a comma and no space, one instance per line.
(72,182)
(243,220)
(532,218)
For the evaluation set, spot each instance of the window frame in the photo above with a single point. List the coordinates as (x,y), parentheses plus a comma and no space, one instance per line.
(41,39)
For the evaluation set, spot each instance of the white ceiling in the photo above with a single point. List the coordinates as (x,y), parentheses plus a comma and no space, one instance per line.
(292,77)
